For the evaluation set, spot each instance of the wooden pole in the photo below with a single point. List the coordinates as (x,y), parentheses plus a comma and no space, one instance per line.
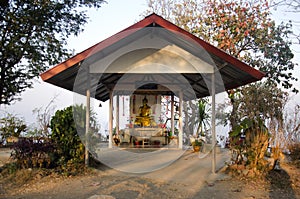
(118,115)
(110,125)
(213,123)
(180,134)
(172,114)
(87,120)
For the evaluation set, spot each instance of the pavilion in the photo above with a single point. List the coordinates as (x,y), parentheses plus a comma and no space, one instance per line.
(152,57)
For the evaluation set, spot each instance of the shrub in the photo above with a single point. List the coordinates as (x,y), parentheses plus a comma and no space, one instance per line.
(295,151)
(250,140)
(33,153)
(70,150)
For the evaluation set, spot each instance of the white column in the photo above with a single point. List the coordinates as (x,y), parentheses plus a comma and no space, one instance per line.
(213,123)
(110,121)
(180,134)
(87,126)
(172,114)
(118,115)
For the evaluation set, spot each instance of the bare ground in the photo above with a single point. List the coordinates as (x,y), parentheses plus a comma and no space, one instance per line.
(104,181)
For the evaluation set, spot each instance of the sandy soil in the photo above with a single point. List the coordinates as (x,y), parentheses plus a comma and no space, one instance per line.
(104,182)
(4,156)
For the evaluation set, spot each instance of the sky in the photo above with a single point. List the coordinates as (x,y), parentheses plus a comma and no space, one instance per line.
(111,18)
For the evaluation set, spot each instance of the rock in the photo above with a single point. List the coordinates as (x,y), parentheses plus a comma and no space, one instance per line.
(245,172)
(251,174)
(38,176)
(101,197)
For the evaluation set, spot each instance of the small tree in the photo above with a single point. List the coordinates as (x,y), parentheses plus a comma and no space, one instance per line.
(43,117)
(70,149)
(66,126)
(250,139)
(11,125)
(292,133)
(203,116)
(260,106)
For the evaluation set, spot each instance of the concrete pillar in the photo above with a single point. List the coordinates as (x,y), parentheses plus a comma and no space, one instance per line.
(180,134)
(87,126)
(213,122)
(110,121)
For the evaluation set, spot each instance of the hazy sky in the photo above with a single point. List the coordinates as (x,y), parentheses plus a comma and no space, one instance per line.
(111,18)
(106,21)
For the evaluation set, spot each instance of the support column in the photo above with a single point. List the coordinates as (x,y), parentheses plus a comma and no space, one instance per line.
(87,126)
(110,121)
(213,122)
(172,114)
(118,115)
(87,117)
(180,134)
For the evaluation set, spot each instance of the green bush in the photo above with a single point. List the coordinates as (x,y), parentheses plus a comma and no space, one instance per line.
(69,148)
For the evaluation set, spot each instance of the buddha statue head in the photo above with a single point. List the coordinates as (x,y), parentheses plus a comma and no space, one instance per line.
(145,100)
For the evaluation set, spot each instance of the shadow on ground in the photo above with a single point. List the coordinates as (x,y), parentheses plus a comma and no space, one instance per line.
(280,185)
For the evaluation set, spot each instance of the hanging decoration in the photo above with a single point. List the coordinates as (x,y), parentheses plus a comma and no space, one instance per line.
(167,103)
(133,104)
(123,101)
(155,104)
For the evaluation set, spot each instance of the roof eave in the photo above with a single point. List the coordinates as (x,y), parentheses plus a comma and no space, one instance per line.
(152,19)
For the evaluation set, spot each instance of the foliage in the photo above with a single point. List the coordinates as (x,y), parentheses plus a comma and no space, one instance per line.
(294,5)
(9,168)
(68,144)
(250,139)
(197,143)
(260,101)
(196,116)
(11,125)
(92,138)
(295,151)
(67,126)
(244,29)
(292,133)
(292,126)
(33,36)
(289,6)
(263,100)
(203,116)
(33,153)
(258,105)
(43,116)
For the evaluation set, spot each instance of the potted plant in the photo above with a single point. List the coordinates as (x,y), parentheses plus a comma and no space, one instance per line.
(197,145)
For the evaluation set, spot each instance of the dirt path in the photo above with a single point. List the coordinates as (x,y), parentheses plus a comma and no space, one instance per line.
(182,179)
(4,155)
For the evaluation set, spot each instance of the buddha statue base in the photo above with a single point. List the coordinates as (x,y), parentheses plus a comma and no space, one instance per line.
(146,121)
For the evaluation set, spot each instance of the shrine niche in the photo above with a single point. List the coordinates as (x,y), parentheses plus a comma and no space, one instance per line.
(145,110)
(145,126)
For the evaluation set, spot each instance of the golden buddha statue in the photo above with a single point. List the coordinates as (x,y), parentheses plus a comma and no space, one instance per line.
(144,118)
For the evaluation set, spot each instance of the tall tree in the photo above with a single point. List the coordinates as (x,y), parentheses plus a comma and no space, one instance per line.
(290,7)
(33,35)
(244,29)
